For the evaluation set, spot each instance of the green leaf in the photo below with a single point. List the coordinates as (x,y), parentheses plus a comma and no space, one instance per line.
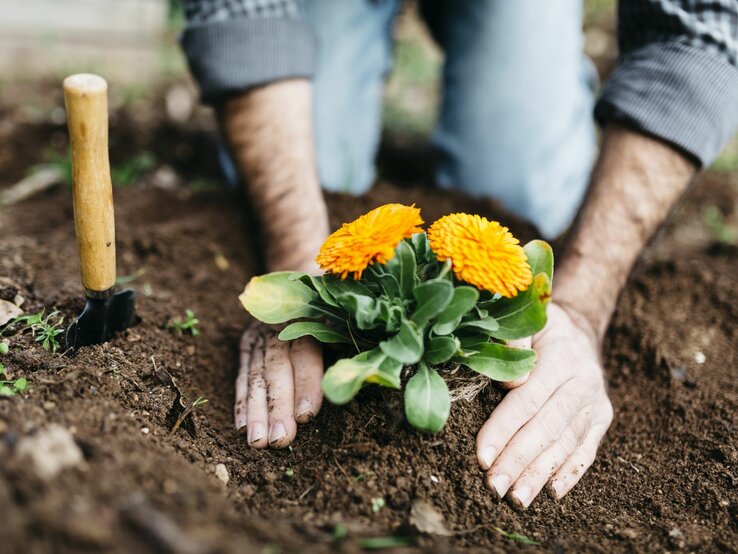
(5,390)
(365,310)
(391,315)
(4,348)
(390,285)
(540,257)
(315,329)
(463,300)
(441,349)
(388,375)
(317,285)
(275,298)
(20,384)
(343,379)
(500,362)
(423,252)
(488,324)
(524,315)
(337,286)
(427,401)
(431,297)
(406,346)
(403,266)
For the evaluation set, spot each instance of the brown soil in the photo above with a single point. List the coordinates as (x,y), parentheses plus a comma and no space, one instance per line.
(665,478)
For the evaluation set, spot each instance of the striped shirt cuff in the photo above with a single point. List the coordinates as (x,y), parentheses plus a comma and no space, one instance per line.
(231,56)
(683,95)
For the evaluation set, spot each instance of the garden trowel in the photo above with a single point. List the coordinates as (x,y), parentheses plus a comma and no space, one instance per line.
(106,311)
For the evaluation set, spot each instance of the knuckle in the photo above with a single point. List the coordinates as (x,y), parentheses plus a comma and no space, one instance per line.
(569,441)
(526,400)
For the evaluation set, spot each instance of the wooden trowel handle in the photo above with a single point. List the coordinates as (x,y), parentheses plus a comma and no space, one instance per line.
(86,99)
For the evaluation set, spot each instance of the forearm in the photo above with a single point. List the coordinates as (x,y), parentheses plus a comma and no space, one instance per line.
(269,132)
(635,183)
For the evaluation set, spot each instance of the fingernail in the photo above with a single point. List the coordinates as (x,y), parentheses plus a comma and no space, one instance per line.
(305,408)
(240,423)
(523,496)
(488,455)
(558,488)
(256,432)
(500,483)
(276,432)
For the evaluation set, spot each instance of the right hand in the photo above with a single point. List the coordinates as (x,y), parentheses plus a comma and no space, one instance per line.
(278,386)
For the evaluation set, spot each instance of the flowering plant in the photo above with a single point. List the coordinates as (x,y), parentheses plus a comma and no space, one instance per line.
(397,297)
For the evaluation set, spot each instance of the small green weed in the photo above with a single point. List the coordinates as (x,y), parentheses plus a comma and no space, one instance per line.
(11,387)
(44,329)
(377,504)
(189,324)
(54,160)
(380,543)
(127,173)
(517,537)
(722,232)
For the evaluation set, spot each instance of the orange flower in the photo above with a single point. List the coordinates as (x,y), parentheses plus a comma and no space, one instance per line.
(483,253)
(372,237)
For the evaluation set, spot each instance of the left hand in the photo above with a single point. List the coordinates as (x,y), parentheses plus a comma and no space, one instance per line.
(547,429)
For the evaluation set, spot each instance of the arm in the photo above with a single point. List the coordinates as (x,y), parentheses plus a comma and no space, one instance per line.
(269,132)
(634,186)
(251,60)
(677,82)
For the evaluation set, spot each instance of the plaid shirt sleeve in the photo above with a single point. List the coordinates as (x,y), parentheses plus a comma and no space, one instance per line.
(234,45)
(677,78)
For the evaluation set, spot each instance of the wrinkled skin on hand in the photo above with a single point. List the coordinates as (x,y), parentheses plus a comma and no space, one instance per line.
(548,427)
(278,386)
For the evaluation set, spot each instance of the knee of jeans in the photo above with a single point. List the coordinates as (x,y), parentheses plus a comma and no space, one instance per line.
(354,55)
(539,176)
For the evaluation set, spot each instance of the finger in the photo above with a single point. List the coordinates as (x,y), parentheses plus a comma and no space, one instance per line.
(526,342)
(256,412)
(578,463)
(280,383)
(536,436)
(535,477)
(248,339)
(515,410)
(307,363)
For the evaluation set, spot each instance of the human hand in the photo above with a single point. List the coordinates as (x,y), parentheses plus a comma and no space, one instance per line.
(547,429)
(278,386)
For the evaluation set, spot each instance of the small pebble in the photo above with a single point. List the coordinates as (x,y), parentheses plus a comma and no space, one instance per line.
(221,472)
(434,479)
(700,358)
(49,406)
(145,430)
(169,486)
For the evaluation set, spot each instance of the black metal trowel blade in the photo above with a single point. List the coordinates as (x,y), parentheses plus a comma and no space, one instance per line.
(102,318)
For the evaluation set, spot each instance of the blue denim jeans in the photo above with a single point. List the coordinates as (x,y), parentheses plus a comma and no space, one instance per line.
(516,116)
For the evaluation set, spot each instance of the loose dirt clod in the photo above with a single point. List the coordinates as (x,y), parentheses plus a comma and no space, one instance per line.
(50,451)
(427,519)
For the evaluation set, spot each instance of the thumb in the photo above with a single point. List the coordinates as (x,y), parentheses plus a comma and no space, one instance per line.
(526,342)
